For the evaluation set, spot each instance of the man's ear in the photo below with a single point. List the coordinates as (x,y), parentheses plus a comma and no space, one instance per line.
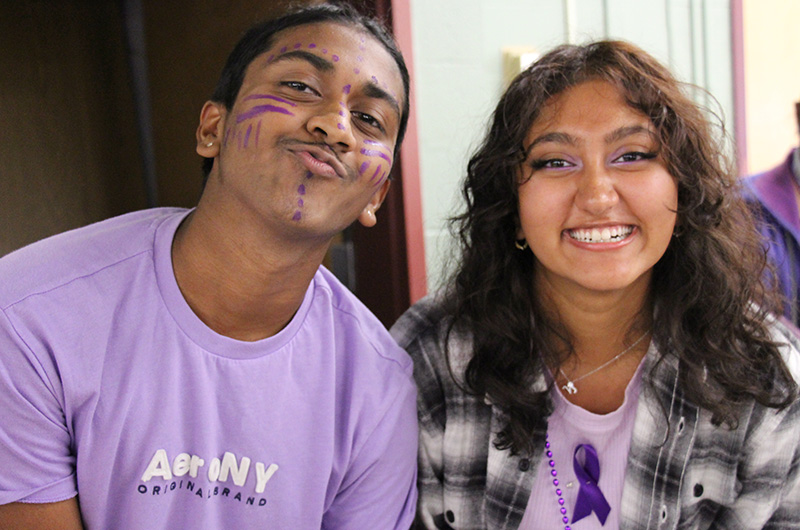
(209,131)
(367,216)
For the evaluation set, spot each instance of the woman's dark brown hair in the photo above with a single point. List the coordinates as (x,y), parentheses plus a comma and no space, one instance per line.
(711,304)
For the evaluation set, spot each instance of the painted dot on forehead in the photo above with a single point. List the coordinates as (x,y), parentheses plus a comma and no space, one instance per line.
(374,79)
(270,58)
(335,58)
(312,45)
(283,50)
(346,89)
(356,71)
(297,216)
(341,113)
(301,189)
(360,59)
(298,45)
(341,127)
(324,51)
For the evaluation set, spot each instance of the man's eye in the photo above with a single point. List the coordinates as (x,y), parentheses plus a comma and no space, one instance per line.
(366,118)
(300,87)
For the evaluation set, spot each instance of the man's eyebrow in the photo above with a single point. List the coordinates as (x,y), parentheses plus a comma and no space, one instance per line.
(374,91)
(370,89)
(316,61)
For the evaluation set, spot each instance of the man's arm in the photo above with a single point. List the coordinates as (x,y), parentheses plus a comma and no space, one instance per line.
(62,515)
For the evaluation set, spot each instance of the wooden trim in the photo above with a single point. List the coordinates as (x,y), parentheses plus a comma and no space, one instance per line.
(739,102)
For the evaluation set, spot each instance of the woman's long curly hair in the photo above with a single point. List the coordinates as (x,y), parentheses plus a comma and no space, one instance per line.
(711,302)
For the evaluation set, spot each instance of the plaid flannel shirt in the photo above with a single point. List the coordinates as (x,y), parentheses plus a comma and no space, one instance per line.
(682,471)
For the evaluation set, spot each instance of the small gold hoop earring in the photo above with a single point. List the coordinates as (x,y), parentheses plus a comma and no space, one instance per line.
(521,246)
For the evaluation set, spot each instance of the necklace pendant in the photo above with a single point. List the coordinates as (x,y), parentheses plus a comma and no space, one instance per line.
(569,388)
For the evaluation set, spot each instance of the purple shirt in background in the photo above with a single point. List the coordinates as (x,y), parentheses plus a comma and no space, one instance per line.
(111,388)
(771,195)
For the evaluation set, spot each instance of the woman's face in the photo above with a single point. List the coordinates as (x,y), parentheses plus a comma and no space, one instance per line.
(597,204)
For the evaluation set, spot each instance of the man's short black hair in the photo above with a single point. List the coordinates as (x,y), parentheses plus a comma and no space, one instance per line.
(260,38)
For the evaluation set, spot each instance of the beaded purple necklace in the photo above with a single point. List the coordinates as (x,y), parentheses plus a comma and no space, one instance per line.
(556,483)
(590,498)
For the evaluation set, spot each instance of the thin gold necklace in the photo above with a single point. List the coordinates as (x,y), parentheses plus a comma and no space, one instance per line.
(570,387)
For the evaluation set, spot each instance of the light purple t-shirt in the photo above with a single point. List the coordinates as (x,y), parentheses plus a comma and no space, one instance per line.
(569,426)
(112,388)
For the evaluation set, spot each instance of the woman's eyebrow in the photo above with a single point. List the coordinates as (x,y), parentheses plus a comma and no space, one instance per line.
(630,130)
(554,137)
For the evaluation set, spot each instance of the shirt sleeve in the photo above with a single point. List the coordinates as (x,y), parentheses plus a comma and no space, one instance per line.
(35,442)
(419,340)
(379,490)
(430,404)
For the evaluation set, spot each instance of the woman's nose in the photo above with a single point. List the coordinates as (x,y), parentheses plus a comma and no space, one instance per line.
(596,190)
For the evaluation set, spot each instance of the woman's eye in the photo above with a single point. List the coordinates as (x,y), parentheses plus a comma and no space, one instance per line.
(635,156)
(550,163)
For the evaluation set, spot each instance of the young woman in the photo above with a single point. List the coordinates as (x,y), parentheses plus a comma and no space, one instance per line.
(604,356)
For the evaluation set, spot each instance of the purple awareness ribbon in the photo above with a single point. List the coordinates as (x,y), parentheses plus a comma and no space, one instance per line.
(590,498)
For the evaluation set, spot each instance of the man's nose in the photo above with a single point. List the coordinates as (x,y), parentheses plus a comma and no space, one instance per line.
(333,123)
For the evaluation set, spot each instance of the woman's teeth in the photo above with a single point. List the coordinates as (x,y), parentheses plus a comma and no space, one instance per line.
(601,235)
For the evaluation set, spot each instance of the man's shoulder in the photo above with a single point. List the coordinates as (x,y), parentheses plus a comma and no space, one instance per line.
(65,257)
(350,316)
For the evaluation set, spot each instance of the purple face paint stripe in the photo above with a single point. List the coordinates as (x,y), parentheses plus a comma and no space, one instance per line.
(371,152)
(261,109)
(380,180)
(258,131)
(247,135)
(377,170)
(373,142)
(267,96)
(363,168)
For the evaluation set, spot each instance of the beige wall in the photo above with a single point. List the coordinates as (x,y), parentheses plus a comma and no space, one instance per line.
(772,80)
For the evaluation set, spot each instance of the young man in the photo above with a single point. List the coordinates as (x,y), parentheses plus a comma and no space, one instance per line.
(199,369)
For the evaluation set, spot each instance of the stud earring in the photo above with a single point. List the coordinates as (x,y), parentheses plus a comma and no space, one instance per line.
(521,246)
(209,144)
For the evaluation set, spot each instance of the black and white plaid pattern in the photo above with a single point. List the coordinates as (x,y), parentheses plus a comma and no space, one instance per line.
(683,472)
